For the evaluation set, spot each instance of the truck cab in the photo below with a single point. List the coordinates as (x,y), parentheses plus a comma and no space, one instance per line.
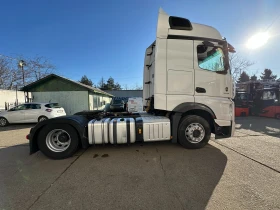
(186,70)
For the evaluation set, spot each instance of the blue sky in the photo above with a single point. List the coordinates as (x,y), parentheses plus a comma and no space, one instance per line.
(109,37)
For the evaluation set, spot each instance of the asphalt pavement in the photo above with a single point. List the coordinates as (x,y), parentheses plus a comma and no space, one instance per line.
(236,173)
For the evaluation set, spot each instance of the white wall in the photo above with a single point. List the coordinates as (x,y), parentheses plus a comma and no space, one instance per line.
(10,97)
(71,101)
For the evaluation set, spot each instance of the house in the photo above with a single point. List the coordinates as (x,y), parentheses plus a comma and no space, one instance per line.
(72,96)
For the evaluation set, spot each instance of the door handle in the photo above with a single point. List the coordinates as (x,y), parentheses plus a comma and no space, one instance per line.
(200,90)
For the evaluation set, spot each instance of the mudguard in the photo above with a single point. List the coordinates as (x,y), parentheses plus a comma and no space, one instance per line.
(76,121)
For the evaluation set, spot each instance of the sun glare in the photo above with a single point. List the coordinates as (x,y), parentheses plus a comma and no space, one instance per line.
(258,40)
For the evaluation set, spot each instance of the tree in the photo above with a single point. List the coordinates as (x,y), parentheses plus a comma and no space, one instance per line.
(267,74)
(111,85)
(125,87)
(20,71)
(253,78)
(238,64)
(244,77)
(4,73)
(102,84)
(86,81)
(39,67)
(137,87)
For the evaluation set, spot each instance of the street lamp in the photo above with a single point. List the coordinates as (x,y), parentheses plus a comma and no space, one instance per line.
(258,40)
(21,63)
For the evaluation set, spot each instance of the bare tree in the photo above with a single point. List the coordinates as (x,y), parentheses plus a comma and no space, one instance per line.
(38,67)
(137,87)
(4,72)
(125,87)
(238,64)
(21,70)
(7,73)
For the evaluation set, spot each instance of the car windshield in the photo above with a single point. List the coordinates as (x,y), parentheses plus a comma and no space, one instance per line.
(117,102)
(53,105)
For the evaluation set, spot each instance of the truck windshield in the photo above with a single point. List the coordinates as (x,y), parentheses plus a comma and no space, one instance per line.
(211,58)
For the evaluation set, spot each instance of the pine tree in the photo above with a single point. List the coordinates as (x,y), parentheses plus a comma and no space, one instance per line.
(267,74)
(254,78)
(244,77)
(86,81)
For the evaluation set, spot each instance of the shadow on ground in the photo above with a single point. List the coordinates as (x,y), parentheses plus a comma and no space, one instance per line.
(148,176)
(16,127)
(258,125)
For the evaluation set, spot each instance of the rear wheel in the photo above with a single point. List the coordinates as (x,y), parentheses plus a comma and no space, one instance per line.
(42,118)
(194,132)
(3,122)
(58,141)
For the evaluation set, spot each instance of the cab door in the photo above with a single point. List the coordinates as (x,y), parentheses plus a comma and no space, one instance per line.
(211,77)
(213,83)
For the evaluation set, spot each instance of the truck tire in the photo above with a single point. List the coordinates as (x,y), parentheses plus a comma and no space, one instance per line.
(58,141)
(194,132)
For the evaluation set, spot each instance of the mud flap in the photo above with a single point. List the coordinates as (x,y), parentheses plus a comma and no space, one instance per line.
(222,132)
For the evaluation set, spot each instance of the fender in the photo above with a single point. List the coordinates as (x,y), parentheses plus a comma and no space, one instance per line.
(78,122)
(183,108)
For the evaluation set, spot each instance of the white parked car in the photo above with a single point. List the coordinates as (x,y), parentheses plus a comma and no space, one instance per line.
(31,113)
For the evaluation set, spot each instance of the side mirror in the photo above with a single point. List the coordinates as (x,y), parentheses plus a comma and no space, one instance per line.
(231,48)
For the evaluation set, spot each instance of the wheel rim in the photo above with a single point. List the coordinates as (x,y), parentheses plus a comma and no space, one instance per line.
(58,140)
(195,133)
(3,122)
(42,119)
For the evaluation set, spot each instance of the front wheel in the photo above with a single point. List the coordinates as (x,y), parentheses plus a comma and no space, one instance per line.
(3,122)
(58,141)
(194,132)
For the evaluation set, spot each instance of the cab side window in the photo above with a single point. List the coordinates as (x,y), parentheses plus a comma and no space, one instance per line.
(210,58)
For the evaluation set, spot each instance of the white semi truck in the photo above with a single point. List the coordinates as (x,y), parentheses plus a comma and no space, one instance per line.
(187,93)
